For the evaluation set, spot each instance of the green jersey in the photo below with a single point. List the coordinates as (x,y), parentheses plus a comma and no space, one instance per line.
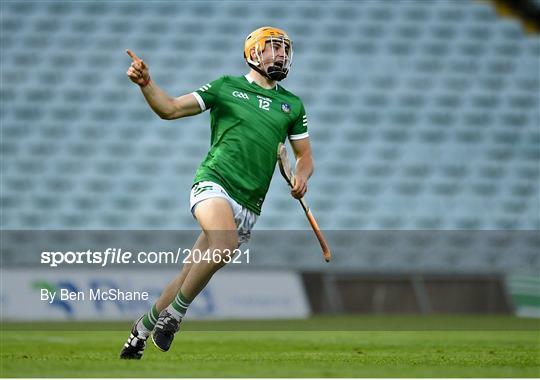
(247,124)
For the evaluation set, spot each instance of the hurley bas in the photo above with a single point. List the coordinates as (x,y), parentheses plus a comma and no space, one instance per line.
(92,295)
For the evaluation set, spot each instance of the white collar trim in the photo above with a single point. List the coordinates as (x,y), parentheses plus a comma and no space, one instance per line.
(251,80)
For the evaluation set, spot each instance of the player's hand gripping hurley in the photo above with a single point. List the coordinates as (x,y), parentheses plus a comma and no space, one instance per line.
(286,171)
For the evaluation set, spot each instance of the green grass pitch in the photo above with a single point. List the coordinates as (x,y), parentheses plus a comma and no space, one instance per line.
(348,346)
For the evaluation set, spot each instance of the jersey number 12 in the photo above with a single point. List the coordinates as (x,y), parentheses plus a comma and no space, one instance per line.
(264,104)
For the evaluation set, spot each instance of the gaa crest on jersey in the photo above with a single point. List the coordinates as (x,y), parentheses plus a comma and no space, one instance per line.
(285,107)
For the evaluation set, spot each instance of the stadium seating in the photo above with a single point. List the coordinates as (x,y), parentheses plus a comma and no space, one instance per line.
(423,116)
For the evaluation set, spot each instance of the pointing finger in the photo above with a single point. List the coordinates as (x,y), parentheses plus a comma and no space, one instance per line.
(133,56)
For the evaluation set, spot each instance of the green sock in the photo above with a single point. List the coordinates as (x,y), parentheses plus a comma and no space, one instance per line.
(179,306)
(149,320)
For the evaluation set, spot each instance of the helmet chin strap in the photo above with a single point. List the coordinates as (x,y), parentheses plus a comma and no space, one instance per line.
(274,72)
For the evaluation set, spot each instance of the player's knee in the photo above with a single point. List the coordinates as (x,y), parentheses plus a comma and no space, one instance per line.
(223,239)
(222,255)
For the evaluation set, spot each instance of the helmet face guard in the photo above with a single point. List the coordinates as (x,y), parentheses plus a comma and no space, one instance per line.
(277,49)
(278,66)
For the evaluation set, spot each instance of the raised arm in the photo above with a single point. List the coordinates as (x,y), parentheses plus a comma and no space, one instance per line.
(304,166)
(162,104)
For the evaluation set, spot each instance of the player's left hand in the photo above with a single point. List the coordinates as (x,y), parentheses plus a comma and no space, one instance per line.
(300,186)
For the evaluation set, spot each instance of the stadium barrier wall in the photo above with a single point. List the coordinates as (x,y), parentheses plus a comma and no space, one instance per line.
(238,293)
(350,292)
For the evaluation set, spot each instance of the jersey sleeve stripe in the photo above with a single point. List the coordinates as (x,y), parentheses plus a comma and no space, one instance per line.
(299,137)
(205,87)
(200,101)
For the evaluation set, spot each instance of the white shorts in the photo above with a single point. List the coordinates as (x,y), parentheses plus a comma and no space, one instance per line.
(244,218)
